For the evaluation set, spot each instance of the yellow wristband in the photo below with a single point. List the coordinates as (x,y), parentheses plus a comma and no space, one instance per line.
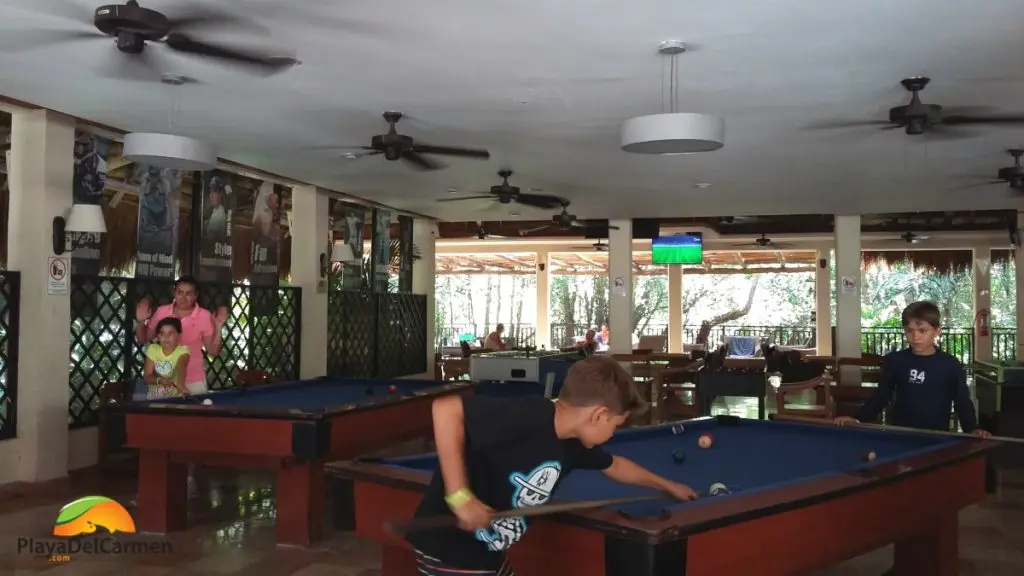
(459,497)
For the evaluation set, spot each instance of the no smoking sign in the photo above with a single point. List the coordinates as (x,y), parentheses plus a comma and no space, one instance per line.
(57,268)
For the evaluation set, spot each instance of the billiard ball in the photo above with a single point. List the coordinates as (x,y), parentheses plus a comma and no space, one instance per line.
(678,456)
(705,441)
(678,429)
(718,489)
(392,388)
(868,456)
(207,402)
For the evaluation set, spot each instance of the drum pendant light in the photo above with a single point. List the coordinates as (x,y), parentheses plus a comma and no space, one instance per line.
(673,132)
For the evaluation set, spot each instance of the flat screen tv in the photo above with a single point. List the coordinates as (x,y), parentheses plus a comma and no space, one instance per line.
(679,249)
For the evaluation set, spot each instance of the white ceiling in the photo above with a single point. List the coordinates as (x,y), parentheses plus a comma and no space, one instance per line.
(544,85)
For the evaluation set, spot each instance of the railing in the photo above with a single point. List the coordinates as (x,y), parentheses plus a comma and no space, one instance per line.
(956,340)
(10,300)
(262,332)
(376,335)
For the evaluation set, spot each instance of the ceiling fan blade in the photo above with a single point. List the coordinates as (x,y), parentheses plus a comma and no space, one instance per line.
(954,120)
(461,198)
(612,227)
(534,230)
(418,162)
(333,148)
(69,9)
(144,67)
(451,151)
(22,40)
(831,125)
(543,201)
(299,14)
(265,63)
(192,15)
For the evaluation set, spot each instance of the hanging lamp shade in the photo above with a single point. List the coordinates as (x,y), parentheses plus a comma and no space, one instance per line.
(673,133)
(169,151)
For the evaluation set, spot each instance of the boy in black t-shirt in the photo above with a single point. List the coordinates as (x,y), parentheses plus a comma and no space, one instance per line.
(504,453)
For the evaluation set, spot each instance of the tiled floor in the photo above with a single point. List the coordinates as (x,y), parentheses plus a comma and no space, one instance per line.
(233,532)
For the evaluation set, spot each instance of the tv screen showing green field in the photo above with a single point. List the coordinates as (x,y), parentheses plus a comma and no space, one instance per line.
(684,249)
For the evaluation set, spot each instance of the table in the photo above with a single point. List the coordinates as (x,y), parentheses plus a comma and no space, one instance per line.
(535,367)
(999,387)
(293,428)
(803,499)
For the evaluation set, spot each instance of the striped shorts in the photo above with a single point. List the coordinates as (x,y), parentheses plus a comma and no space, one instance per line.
(430,566)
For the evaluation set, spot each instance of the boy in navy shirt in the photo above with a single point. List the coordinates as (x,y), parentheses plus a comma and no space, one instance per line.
(503,453)
(925,380)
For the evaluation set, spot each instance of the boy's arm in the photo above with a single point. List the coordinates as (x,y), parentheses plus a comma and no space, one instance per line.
(179,375)
(963,404)
(626,471)
(450,438)
(880,398)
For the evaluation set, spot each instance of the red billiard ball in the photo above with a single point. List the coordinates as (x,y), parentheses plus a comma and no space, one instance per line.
(392,388)
(705,441)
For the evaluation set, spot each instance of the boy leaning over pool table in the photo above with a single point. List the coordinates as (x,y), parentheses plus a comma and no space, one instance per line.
(926,381)
(504,453)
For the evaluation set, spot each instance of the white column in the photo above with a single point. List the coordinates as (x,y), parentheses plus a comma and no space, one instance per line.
(311,239)
(40,182)
(848,278)
(543,337)
(424,237)
(676,321)
(620,287)
(823,303)
(982,279)
(1018,261)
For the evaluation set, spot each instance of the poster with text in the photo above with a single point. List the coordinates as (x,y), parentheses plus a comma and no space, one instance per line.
(159,198)
(88,181)
(381,248)
(266,234)
(216,226)
(352,221)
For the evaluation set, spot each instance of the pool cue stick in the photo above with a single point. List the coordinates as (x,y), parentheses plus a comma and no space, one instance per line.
(890,428)
(433,522)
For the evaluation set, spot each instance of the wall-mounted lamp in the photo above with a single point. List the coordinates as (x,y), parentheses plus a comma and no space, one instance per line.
(341,253)
(82,218)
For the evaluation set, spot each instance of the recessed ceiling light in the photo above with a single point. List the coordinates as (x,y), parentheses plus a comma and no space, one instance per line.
(513,213)
(349,156)
(453,190)
(702,185)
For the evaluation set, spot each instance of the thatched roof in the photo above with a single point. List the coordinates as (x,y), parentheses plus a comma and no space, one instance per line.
(936,261)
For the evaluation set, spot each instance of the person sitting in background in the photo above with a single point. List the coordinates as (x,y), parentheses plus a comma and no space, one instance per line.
(166,362)
(605,335)
(599,336)
(588,345)
(493,340)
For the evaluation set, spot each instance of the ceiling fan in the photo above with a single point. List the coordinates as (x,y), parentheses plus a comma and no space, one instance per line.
(1012,175)
(133,27)
(482,233)
(566,221)
(506,193)
(395,146)
(763,242)
(912,238)
(918,118)
(599,246)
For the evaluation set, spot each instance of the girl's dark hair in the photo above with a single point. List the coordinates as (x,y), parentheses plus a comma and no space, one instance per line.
(169,321)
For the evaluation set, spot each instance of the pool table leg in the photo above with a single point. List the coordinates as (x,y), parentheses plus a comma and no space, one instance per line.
(300,503)
(397,561)
(933,550)
(163,492)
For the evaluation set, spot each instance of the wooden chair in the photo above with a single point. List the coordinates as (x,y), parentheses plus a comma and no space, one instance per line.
(248,378)
(110,393)
(453,368)
(676,390)
(822,386)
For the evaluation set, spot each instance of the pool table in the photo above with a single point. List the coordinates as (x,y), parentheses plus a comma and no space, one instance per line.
(292,428)
(802,497)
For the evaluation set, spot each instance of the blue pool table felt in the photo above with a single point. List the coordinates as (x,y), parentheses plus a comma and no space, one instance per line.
(310,395)
(751,456)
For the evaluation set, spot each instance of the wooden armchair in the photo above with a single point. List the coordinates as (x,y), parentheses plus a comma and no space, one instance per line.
(824,407)
(676,390)
(453,368)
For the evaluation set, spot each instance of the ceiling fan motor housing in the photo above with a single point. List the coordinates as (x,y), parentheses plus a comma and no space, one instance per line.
(131,20)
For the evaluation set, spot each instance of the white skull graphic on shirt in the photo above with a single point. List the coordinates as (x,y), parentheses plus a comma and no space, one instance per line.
(531,489)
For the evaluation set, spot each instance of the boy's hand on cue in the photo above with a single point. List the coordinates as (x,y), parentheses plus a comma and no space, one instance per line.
(472,514)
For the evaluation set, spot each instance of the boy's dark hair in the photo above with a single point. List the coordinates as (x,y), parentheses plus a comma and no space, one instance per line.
(601,381)
(923,311)
(191,281)
(169,321)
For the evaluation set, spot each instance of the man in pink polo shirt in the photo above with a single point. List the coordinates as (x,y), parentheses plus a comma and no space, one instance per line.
(200,329)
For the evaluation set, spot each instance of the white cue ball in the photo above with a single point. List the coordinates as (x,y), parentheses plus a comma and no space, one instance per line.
(207,402)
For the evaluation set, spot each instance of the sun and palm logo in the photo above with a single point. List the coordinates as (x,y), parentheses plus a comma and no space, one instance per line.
(87,515)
